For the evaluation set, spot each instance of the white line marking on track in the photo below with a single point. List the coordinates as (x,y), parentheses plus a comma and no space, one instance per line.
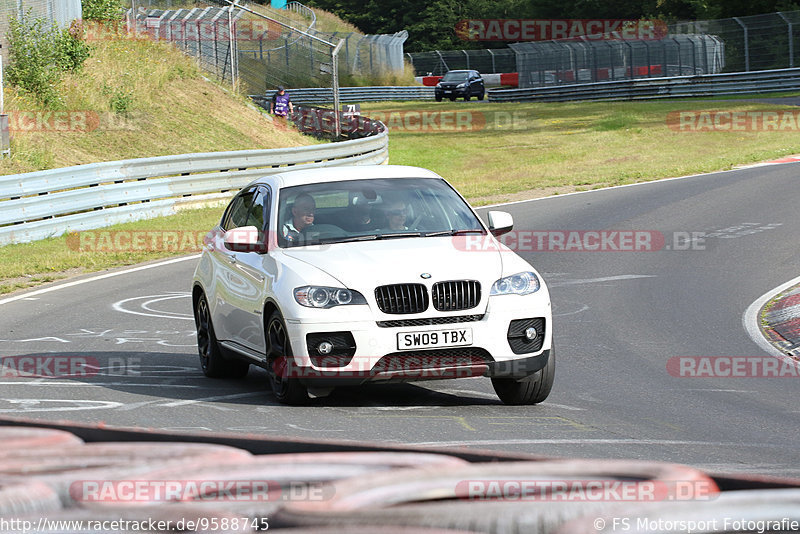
(621,186)
(572,441)
(120,306)
(209,399)
(26,296)
(751,321)
(604,279)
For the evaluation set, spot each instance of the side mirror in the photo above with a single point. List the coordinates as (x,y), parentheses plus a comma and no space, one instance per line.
(245,239)
(500,222)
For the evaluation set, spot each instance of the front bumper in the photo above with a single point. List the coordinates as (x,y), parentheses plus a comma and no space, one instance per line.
(377,356)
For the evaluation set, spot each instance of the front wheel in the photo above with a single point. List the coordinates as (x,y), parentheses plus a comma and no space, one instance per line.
(287,388)
(212,362)
(466,97)
(529,390)
(481,95)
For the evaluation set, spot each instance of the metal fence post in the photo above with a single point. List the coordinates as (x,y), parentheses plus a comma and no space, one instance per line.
(494,67)
(467,56)
(791,40)
(746,44)
(335,63)
(680,59)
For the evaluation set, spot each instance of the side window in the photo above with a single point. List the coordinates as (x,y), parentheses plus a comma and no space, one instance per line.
(238,211)
(256,216)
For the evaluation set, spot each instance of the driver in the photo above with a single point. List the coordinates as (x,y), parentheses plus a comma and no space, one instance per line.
(302,217)
(396,213)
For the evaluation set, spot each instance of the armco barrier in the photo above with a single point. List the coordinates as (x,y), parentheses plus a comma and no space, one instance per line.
(49,203)
(650,88)
(323,95)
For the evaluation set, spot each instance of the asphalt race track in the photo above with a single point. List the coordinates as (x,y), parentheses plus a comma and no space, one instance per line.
(619,317)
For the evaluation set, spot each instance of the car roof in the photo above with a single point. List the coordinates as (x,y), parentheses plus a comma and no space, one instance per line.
(345,172)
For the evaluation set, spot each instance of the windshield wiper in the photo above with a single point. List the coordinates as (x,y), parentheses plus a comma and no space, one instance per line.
(401,234)
(455,232)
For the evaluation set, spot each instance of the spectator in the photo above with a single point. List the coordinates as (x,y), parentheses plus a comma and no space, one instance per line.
(281,103)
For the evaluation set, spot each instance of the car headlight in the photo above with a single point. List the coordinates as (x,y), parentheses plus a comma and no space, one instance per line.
(327,297)
(516,284)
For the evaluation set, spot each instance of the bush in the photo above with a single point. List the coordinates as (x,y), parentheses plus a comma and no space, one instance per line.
(39,53)
(102,10)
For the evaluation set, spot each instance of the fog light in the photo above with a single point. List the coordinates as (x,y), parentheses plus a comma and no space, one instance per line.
(326,347)
(530,333)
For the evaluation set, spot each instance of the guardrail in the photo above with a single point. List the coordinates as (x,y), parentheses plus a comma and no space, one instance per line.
(650,88)
(49,203)
(324,95)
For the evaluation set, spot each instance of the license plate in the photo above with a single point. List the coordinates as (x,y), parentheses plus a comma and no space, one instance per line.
(454,337)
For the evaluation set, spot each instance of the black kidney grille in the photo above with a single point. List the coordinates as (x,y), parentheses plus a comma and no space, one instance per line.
(456,295)
(402,298)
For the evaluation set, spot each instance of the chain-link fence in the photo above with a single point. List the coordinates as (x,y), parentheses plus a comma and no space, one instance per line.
(584,61)
(757,42)
(487,61)
(271,47)
(61,12)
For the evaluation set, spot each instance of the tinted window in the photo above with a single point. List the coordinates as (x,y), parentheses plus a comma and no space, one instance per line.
(256,211)
(455,76)
(372,209)
(238,211)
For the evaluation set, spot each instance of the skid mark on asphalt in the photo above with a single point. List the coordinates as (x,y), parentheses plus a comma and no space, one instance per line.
(188,402)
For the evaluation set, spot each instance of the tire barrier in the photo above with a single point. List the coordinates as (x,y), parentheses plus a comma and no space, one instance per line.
(27,498)
(29,438)
(61,467)
(258,486)
(457,498)
(53,476)
(736,511)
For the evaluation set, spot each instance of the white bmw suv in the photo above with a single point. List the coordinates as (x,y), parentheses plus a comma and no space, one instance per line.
(345,275)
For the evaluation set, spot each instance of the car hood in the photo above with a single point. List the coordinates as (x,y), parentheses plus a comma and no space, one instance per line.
(365,265)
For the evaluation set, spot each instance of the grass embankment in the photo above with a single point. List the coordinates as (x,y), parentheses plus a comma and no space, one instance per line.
(551,148)
(525,150)
(164,106)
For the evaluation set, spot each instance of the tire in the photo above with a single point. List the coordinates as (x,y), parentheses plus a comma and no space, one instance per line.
(443,497)
(212,362)
(438,98)
(452,99)
(466,97)
(287,389)
(480,96)
(529,390)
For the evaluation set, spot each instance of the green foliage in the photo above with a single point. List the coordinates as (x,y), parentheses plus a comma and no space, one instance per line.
(102,10)
(40,52)
(121,101)
(431,23)
(71,50)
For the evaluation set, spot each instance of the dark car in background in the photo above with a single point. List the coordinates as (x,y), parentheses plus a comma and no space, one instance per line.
(460,84)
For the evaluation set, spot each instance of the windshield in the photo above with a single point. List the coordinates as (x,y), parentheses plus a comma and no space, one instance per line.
(358,210)
(453,76)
